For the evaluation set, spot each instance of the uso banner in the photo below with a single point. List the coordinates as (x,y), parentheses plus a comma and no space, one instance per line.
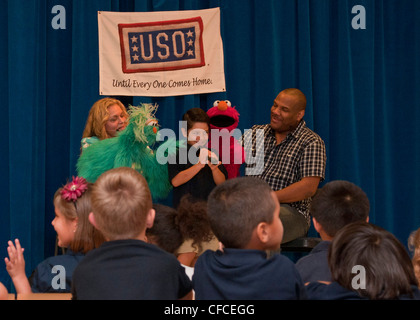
(160,53)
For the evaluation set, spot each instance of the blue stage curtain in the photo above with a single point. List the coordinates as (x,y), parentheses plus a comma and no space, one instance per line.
(362,87)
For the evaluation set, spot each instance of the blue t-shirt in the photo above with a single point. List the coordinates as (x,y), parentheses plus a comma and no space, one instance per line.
(314,266)
(129,270)
(45,277)
(241,274)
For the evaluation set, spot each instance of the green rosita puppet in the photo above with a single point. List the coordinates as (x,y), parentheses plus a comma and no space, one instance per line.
(131,148)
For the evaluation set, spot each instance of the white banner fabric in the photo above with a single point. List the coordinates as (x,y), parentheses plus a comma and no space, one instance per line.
(158,54)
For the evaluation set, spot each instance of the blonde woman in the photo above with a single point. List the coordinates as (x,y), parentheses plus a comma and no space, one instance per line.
(106,118)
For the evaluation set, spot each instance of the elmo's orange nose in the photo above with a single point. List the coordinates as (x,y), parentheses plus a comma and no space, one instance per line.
(222,106)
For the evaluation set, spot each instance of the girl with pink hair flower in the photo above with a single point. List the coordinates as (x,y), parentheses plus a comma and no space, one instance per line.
(74,232)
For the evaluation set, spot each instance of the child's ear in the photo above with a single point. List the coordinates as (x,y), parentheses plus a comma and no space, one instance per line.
(150,218)
(92,220)
(75,222)
(317,226)
(262,232)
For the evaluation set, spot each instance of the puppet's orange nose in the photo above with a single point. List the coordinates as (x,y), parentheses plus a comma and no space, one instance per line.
(155,130)
(222,106)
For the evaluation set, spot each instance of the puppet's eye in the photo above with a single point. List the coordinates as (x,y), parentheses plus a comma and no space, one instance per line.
(228,103)
(151,122)
(216,103)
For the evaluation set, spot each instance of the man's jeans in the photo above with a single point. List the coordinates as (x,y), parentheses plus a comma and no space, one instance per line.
(294,223)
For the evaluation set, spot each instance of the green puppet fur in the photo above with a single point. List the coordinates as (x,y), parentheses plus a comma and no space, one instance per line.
(131,148)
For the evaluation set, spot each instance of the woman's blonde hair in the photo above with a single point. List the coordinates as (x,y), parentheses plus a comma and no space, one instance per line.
(86,237)
(98,116)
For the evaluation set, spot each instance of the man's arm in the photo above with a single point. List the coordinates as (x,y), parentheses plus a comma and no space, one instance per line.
(298,191)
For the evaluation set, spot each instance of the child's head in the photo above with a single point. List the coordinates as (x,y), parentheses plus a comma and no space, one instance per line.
(193,221)
(414,246)
(122,204)
(165,231)
(244,213)
(72,205)
(337,204)
(385,266)
(198,124)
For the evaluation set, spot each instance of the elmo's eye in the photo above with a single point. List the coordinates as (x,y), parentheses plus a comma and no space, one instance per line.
(228,103)
(216,103)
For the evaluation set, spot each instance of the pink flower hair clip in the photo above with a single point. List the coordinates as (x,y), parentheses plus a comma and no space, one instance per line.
(74,189)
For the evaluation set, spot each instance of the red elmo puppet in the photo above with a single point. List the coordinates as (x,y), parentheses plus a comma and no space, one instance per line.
(223,120)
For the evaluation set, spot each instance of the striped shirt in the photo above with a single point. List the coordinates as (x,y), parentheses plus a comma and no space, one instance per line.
(301,154)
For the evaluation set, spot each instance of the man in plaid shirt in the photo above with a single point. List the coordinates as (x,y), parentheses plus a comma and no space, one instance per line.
(290,157)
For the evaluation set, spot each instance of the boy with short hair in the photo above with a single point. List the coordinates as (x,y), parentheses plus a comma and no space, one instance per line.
(126,267)
(244,216)
(335,205)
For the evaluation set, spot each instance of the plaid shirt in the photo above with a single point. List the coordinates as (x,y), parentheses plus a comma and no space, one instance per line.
(301,154)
